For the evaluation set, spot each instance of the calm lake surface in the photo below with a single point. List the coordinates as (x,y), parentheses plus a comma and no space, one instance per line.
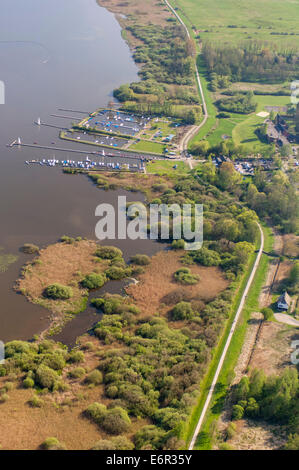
(53,54)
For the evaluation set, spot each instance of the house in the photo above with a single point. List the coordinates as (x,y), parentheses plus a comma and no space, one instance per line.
(284,301)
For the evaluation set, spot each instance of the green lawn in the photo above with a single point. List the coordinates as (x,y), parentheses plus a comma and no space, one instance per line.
(166,167)
(146,146)
(244,132)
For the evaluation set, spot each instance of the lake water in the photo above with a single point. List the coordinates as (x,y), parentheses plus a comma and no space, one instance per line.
(53,54)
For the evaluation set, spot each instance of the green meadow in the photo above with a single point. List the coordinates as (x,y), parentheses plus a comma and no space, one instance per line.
(230,21)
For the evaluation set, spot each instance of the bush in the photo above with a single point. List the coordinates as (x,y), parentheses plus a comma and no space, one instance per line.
(150,436)
(96,412)
(35,402)
(268,313)
(28,382)
(185,277)
(75,357)
(116,421)
(109,252)
(178,244)
(115,443)
(95,377)
(238,412)
(3,397)
(30,249)
(231,430)
(58,292)
(141,260)
(182,311)
(45,377)
(76,373)
(115,273)
(51,443)
(93,281)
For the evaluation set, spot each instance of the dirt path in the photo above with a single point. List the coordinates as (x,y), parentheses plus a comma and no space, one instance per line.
(287,319)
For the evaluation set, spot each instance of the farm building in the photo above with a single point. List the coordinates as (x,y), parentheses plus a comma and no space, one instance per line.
(284,301)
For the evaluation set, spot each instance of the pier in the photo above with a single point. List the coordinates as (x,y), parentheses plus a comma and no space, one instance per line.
(86,113)
(66,117)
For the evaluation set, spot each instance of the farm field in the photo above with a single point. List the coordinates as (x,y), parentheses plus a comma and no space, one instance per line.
(250,20)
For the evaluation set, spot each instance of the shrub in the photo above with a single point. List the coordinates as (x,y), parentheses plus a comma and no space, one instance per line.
(3,397)
(95,377)
(115,443)
(185,277)
(76,373)
(231,430)
(96,412)
(58,292)
(75,357)
(35,402)
(225,446)
(169,418)
(141,260)
(93,281)
(115,273)
(150,436)
(28,382)
(45,377)
(178,244)
(238,412)
(30,249)
(51,443)
(55,361)
(8,386)
(182,311)
(268,313)
(116,421)
(109,252)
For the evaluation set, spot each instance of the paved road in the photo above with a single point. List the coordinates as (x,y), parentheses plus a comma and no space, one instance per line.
(194,129)
(228,341)
(287,319)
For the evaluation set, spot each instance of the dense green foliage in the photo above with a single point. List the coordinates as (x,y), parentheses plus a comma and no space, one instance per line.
(273,398)
(58,292)
(239,103)
(93,281)
(252,62)
(167,66)
(275,198)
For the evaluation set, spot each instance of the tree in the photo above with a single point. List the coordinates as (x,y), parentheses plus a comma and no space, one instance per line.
(228,177)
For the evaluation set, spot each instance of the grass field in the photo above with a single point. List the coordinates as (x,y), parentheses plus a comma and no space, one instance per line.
(167,167)
(244,132)
(146,146)
(231,21)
